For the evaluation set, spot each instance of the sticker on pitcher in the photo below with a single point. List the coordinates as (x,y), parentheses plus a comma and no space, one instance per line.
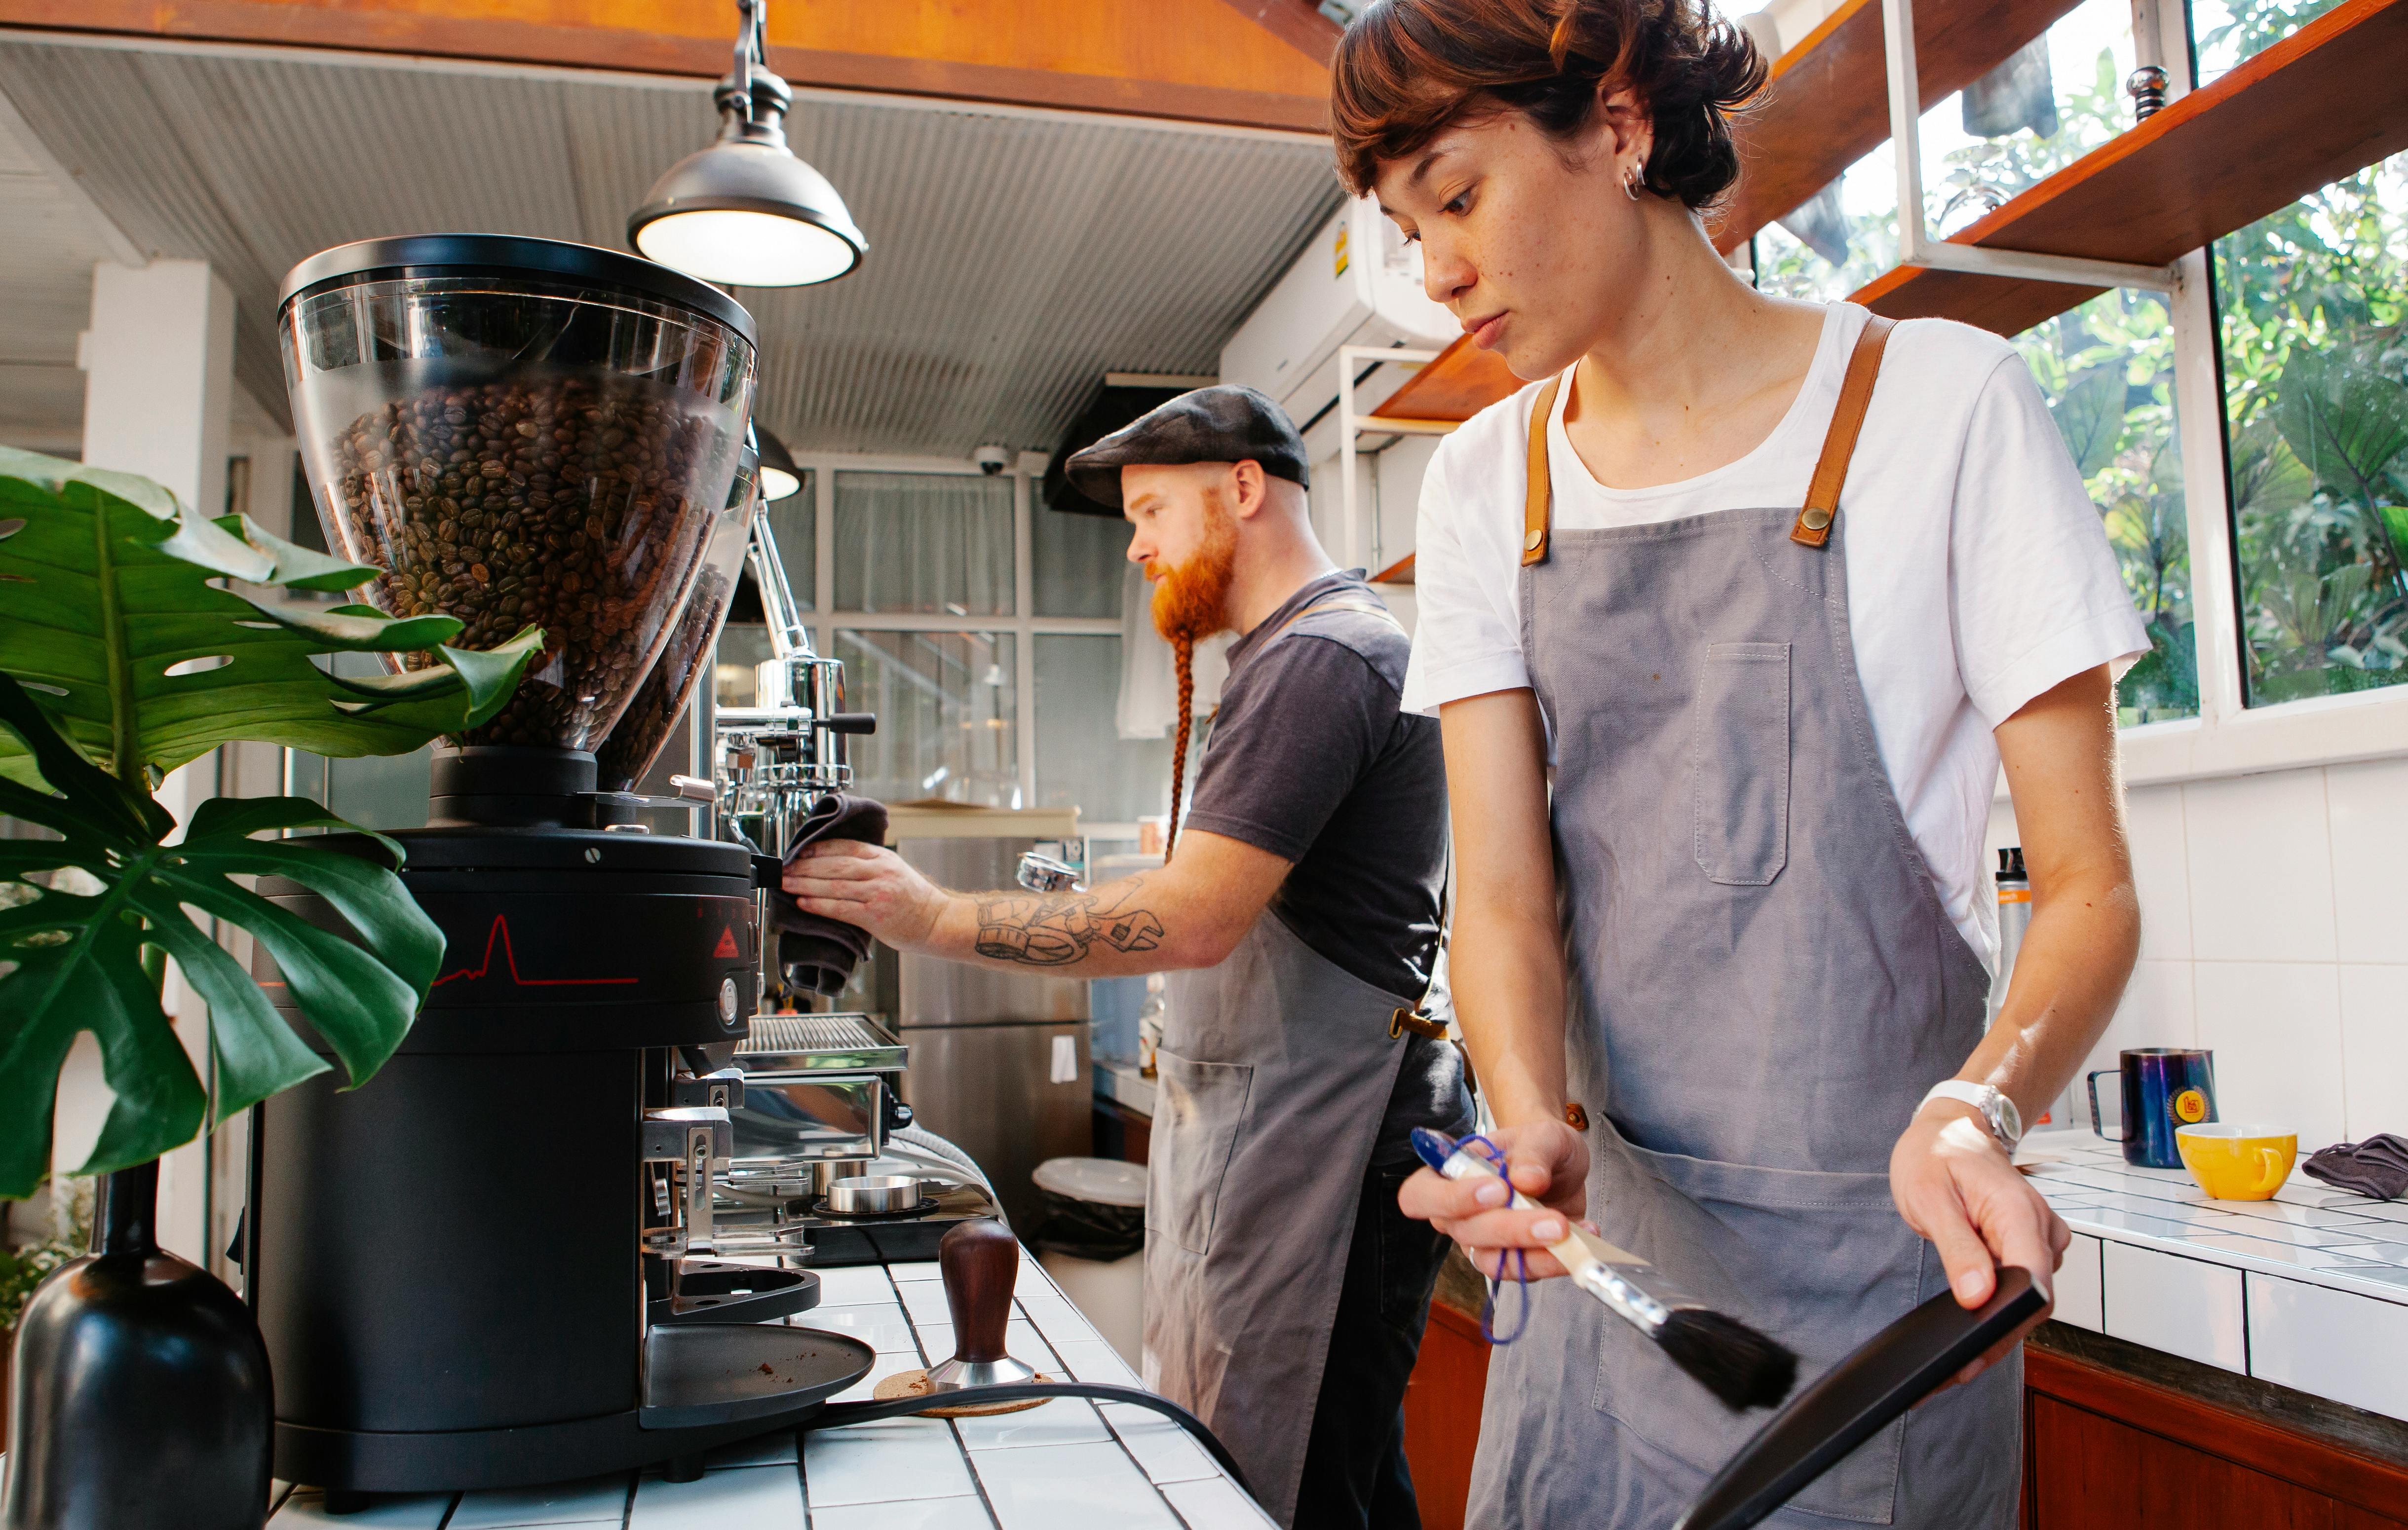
(2190,1106)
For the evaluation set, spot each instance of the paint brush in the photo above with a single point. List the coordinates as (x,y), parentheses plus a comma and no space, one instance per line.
(1741,1367)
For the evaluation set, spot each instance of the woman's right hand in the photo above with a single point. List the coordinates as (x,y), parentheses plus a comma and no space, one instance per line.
(1547,1162)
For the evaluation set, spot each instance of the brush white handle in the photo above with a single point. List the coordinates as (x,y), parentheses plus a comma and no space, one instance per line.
(1577,1249)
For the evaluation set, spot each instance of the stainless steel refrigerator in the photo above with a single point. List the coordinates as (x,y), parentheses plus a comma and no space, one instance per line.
(1000,1059)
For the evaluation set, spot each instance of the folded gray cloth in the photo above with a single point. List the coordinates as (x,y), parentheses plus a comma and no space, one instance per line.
(816,953)
(2377,1166)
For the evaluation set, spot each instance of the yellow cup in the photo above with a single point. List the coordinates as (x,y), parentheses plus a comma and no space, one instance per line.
(2239,1162)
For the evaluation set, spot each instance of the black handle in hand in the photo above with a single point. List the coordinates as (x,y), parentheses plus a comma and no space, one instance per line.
(850,723)
(980,1261)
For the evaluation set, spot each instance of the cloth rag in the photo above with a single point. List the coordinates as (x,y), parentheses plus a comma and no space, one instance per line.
(815,952)
(2377,1166)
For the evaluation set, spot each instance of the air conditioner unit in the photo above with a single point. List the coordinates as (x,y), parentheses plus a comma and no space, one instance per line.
(1359,283)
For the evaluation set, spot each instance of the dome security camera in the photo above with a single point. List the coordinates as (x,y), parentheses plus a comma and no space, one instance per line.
(991,460)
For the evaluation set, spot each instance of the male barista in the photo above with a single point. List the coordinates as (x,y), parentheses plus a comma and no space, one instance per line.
(1299,914)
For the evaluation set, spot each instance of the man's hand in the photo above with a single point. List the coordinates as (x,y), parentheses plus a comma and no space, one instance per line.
(1547,1162)
(1954,1184)
(869,886)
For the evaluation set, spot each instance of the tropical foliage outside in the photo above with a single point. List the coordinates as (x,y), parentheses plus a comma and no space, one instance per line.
(2315,372)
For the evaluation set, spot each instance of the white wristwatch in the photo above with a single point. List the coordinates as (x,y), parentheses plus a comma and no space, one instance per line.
(1999,1112)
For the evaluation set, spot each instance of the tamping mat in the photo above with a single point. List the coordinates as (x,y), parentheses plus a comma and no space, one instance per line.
(1892,1371)
(914,1383)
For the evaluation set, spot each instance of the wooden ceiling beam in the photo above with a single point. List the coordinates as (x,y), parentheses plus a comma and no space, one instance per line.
(1238,62)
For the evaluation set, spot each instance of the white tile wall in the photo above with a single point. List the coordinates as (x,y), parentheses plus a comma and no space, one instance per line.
(2274,929)
(2374,1047)
(2191,1307)
(2275,1030)
(2368,807)
(2160,869)
(2260,854)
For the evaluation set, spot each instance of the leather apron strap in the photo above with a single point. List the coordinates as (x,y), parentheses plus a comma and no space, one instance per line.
(1813,527)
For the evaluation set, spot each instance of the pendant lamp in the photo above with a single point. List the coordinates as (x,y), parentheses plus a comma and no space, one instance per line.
(780,476)
(745,212)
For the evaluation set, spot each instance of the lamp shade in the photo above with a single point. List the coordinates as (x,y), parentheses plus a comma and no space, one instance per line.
(745,212)
(780,476)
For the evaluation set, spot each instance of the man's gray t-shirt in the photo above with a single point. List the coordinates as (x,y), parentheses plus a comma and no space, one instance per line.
(1311,759)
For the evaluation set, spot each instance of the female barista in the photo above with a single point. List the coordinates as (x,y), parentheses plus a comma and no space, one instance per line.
(1730,620)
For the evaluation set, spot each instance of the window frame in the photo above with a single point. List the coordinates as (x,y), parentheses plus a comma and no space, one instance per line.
(825,620)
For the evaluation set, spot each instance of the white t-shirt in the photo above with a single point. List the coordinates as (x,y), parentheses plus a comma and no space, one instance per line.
(1979,575)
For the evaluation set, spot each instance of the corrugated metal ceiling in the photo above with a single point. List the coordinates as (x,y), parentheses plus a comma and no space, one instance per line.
(1013,258)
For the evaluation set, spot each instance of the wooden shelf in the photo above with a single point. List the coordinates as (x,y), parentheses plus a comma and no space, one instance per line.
(2307,110)
(1827,105)
(1463,381)
(1400,572)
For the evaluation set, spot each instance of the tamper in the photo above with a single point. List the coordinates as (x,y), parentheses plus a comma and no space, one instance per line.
(980,1262)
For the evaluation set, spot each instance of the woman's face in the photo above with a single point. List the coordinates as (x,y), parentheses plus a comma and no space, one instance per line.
(1531,243)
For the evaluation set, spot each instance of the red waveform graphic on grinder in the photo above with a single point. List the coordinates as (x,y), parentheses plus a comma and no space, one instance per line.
(500,935)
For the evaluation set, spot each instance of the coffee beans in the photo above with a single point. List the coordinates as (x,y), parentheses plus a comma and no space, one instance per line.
(646,724)
(577,505)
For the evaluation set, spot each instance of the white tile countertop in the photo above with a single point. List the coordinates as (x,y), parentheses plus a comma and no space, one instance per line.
(2308,1289)
(1068,1463)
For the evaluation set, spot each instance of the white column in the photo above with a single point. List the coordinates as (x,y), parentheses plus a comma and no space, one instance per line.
(158,368)
(159,385)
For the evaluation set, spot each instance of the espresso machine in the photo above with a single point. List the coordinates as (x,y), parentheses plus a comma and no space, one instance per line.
(504,1259)
(825,1167)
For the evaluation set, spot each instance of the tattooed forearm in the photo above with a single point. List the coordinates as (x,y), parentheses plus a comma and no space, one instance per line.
(1056,929)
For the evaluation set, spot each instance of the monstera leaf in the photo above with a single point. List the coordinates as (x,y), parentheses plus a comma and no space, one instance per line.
(2343,419)
(76,957)
(114,605)
(2090,416)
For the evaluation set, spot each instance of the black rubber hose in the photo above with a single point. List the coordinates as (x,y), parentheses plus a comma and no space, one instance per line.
(836,1415)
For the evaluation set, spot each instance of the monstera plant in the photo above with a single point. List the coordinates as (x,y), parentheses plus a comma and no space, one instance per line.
(135,635)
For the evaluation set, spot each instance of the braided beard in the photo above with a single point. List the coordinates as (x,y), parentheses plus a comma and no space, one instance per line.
(1191,601)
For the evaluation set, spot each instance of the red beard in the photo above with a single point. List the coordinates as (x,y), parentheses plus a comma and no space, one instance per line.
(1191,601)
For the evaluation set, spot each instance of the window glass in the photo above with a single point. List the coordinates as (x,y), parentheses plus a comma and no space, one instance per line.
(2225,32)
(2049,104)
(1082,760)
(2315,385)
(794,521)
(947,713)
(1078,562)
(2107,370)
(937,543)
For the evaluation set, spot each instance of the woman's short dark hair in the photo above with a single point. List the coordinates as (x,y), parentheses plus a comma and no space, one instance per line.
(1407,68)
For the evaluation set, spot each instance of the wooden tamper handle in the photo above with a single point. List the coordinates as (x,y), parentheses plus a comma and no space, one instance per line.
(980,1263)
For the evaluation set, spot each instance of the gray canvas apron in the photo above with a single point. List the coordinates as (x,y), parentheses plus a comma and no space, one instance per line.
(1762,984)
(1272,1075)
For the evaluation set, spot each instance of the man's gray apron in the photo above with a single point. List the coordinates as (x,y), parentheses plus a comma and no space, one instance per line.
(1274,1070)
(1762,985)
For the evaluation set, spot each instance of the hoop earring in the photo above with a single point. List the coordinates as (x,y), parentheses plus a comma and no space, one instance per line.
(1631,179)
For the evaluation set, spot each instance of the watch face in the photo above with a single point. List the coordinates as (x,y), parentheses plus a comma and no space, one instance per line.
(2011,1120)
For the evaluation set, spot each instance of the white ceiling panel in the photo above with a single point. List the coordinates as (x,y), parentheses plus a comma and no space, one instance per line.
(1013,257)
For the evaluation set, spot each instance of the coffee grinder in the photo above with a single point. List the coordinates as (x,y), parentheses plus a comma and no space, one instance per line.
(494,1263)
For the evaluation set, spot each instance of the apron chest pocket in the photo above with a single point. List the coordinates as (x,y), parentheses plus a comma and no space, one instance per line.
(1198,1108)
(1741,769)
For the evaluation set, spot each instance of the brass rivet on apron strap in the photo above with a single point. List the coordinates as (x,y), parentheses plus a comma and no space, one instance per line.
(1574,1116)
(1530,543)
(1816,520)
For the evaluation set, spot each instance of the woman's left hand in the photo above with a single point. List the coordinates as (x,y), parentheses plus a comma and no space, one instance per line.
(1955,1185)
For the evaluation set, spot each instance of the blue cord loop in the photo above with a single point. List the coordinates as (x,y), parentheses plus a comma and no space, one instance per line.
(1495,1157)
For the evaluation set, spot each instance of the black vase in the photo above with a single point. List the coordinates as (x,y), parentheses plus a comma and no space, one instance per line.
(141,1389)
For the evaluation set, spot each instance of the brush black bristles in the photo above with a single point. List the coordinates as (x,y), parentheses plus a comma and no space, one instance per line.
(1731,1360)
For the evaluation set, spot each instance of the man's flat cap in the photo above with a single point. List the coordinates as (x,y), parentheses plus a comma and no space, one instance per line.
(1209,425)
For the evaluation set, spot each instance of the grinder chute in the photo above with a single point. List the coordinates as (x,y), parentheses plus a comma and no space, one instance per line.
(496,1264)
